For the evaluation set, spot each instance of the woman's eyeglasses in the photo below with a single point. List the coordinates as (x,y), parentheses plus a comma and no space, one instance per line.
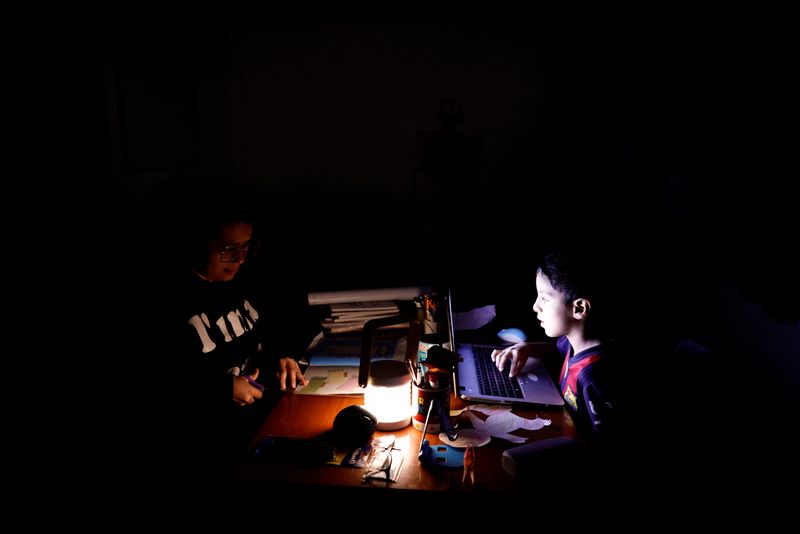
(233,253)
(379,460)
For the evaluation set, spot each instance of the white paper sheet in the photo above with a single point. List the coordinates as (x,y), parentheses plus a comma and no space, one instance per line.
(501,422)
(365,295)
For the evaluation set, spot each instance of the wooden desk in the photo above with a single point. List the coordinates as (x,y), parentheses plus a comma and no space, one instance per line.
(308,416)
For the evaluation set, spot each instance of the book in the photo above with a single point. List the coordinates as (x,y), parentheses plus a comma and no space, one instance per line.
(346,352)
(330,380)
(344,317)
(355,326)
(365,295)
(333,363)
(364,307)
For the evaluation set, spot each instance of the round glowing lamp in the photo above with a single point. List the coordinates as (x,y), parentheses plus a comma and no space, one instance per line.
(388,382)
(388,394)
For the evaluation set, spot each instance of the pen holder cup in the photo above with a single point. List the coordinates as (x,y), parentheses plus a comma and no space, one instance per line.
(421,397)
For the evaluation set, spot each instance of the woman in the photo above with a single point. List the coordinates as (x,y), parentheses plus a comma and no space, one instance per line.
(227,341)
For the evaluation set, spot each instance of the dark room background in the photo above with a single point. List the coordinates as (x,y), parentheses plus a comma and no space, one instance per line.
(377,151)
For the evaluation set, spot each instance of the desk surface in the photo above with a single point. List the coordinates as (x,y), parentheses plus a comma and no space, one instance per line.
(309,416)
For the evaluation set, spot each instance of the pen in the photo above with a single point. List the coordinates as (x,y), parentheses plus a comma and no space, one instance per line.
(253,383)
(422,440)
(412,373)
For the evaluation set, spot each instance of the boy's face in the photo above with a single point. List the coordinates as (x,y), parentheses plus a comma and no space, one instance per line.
(552,312)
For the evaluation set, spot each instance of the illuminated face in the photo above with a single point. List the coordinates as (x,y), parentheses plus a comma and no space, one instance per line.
(226,254)
(553,313)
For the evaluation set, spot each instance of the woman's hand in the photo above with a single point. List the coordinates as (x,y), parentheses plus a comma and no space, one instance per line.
(289,374)
(243,391)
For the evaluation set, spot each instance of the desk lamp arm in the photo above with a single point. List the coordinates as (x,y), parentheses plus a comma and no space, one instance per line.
(412,342)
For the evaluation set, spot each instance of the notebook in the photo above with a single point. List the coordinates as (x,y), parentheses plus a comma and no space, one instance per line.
(477,378)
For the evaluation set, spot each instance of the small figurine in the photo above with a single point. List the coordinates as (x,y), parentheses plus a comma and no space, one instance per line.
(469,464)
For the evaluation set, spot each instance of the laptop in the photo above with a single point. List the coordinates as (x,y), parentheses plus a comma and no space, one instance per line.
(477,378)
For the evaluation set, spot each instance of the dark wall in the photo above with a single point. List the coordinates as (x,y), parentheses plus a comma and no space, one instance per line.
(490,137)
(377,151)
(373,148)
(358,134)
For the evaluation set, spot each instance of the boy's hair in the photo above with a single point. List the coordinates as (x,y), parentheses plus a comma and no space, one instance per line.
(568,274)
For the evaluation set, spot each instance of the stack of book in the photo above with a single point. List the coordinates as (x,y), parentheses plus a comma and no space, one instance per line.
(348,311)
(351,316)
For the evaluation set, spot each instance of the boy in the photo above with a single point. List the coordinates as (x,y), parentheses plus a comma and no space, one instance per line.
(572,308)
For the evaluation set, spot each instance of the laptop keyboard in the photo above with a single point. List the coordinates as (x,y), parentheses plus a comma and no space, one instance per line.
(490,380)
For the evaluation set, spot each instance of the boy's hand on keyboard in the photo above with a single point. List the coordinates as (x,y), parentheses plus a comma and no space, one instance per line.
(516,354)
